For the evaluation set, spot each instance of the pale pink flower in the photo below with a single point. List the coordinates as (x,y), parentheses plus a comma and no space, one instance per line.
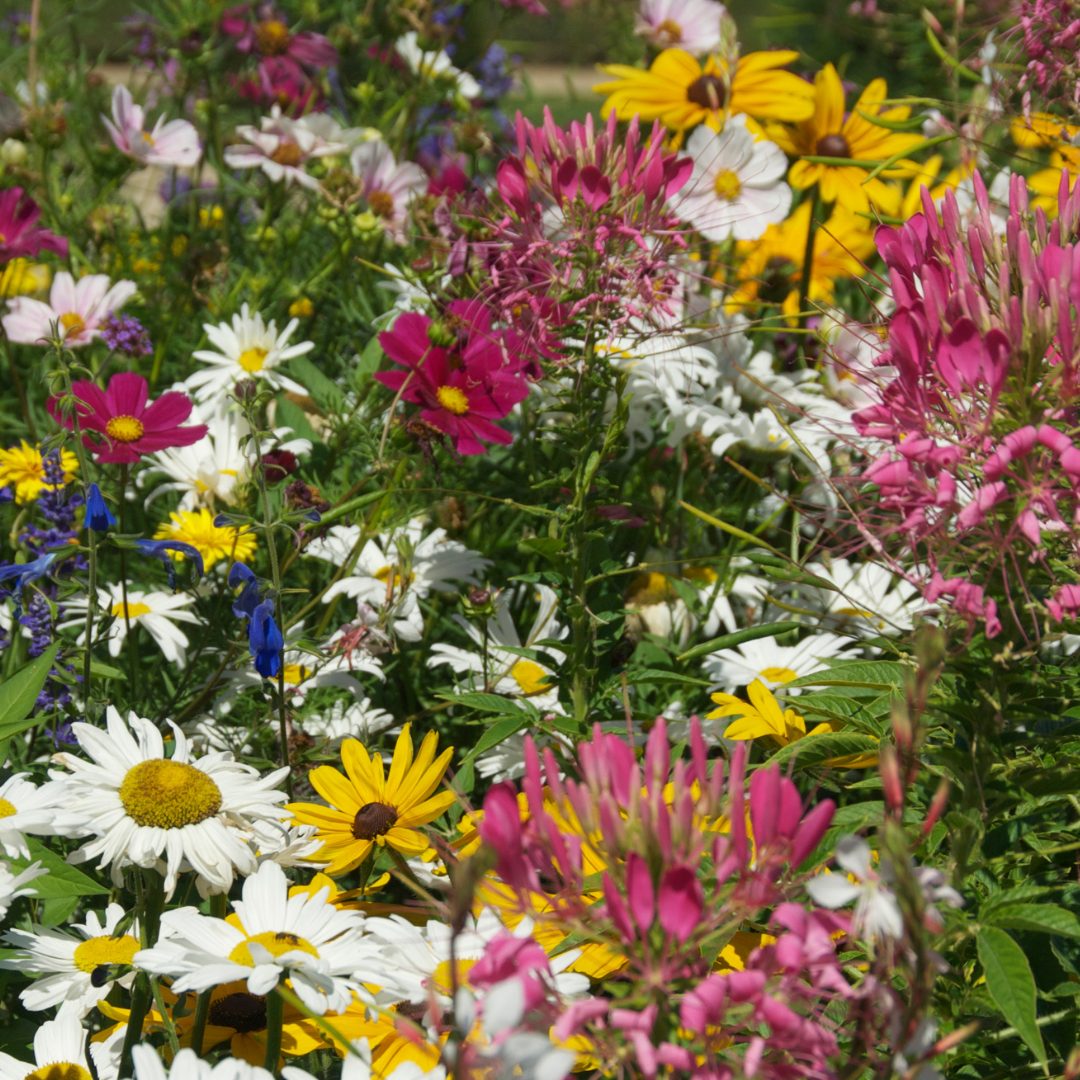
(690,25)
(389,186)
(174,143)
(282,148)
(77,309)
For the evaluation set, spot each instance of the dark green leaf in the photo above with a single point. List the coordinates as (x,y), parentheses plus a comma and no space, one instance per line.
(641,675)
(1011,984)
(489,703)
(19,694)
(729,641)
(61,880)
(1046,918)
(875,675)
(548,546)
(499,731)
(814,749)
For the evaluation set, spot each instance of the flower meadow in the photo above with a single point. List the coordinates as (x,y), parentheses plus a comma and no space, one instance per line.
(488,595)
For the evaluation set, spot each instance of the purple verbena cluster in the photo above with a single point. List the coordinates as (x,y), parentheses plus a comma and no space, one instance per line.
(124,333)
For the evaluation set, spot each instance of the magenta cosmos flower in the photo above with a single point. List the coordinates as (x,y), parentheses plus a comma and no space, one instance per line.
(77,309)
(131,427)
(461,390)
(20,235)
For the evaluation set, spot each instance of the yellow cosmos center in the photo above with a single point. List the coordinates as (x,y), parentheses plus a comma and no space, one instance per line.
(130,611)
(381,203)
(72,322)
(670,30)
(272,37)
(6,809)
(62,1070)
(530,677)
(453,400)
(252,359)
(442,978)
(727,185)
(373,819)
(124,429)
(277,944)
(288,154)
(295,674)
(90,955)
(165,794)
(778,674)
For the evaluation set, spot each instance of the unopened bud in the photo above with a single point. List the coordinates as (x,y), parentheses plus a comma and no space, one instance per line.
(245,390)
(889,768)
(13,152)
(937,806)
(479,597)
(279,464)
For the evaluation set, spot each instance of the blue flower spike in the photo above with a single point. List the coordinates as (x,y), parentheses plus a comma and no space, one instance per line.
(245,604)
(98,515)
(265,640)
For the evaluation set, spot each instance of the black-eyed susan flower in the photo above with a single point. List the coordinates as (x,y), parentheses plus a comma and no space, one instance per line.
(832,133)
(369,808)
(681,93)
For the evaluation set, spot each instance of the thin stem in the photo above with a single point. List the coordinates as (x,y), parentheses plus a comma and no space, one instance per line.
(218,905)
(275,1020)
(808,264)
(150,901)
(129,640)
(31,63)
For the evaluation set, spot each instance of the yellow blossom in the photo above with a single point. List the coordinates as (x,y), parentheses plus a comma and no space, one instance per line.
(23,466)
(213,542)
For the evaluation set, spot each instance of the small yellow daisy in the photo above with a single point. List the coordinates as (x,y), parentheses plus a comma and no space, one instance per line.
(213,542)
(23,466)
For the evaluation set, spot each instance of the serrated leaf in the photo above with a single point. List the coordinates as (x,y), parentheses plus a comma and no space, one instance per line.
(500,730)
(488,703)
(1019,895)
(815,749)
(1011,985)
(19,694)
(729,641)
(874,675)
(62,879)
(1042,918)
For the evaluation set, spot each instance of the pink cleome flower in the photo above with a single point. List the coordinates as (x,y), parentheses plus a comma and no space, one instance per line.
(131,427)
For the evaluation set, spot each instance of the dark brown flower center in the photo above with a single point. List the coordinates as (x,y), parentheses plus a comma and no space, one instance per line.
(241,1012)
(381,203)
(832,146)
(709,92)
(372,820)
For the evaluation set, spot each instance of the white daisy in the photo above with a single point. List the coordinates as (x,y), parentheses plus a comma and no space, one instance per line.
(187,1065)
(75,971)
(869,599)
(281,147)
(737,188)
(38,811)
(388,186)
(403,568)
(211,471)
(690,25)
(142,805)
(249,349)
(59,1052)
(774,665)
(13,885)
(412,963)
(500,667)
(157,612)
(358,720)
(287,845)
(435,65)
(302,938)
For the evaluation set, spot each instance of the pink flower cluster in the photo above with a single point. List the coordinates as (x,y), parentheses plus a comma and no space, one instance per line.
(1051,40)
(463,374)
(980,476)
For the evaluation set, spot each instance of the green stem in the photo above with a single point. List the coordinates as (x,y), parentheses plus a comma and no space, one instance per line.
(275,1019)
(150,902)
(218,905)
(808,255)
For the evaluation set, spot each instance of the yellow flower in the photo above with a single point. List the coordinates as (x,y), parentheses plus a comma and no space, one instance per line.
(772,266)
(213,542)
(340,898)
(1046,182)
(22,466)
(301,308)
(368,808)
(681,93)
(828,134)
(1041,129)
(21,277)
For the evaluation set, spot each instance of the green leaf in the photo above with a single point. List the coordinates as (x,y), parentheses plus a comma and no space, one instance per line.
(19,694)
(103,671)
(874,675)
(489,703)
(322,389)
(912,123)
(814,749)
(499,731)
(642,675)
(1011,985)
(1043,918)
(729,641)
(289,414)
(548,546)
(62,879)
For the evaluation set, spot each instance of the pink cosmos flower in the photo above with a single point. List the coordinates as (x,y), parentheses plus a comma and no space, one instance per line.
(281,148)
(131,428)
(270,36)
(174,143)
(77,309)
(389,187)
(20,236)
(280,81)
(690,25)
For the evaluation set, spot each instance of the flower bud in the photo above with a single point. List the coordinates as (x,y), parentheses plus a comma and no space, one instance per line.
(13,152)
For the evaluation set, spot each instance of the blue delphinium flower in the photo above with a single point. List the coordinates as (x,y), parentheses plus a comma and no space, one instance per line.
(23,574)
(98,515)
(162,549)
(265,640)
(245,604)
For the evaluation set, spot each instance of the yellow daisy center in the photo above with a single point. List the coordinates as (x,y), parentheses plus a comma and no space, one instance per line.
(530,677)
(701,573)
(272,37)
(164,794)
(252,359)
(727,185)
(442,978)
(373,819)
(92,954)
(72,322)
(295,674)
(240,1012)
(62,1070)
(6,809)
(778,674)
(381,203)
(453,400)
(124,428)
(288,154)
(387,572)
(129,610)
(834,145)
(276,943)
